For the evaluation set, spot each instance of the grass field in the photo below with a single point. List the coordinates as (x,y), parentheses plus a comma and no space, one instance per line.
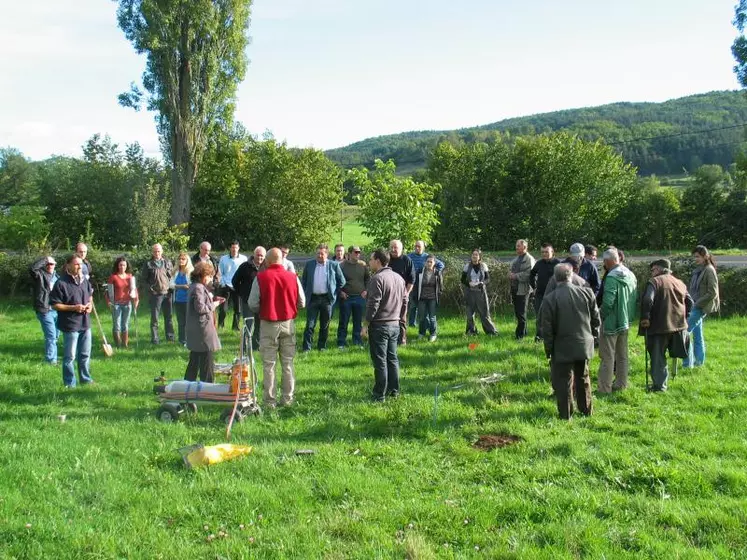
(351,232)
(648,475)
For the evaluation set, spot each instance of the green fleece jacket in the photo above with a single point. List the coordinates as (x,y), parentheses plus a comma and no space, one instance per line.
(619,301)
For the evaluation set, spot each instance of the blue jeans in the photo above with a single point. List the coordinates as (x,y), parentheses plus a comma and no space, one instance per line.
(383,346)
(318,306)
(355,306)
(427,311)
(120,317)
(48,322)
(697,350)
(77,348)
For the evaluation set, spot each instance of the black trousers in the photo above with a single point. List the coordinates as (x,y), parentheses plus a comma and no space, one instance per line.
(232,297)
(202,362)
(520,311)
(567,378)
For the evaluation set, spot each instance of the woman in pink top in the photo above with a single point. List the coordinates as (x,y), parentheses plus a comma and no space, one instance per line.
(121,295)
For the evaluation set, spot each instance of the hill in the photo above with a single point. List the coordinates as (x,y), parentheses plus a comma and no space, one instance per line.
(666,138)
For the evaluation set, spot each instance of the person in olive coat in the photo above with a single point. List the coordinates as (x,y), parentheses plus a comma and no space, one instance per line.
(202,337)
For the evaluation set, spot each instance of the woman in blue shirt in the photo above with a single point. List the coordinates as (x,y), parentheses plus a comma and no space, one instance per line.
(180,284)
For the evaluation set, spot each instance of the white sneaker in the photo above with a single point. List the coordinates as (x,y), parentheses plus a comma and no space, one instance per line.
(433,338)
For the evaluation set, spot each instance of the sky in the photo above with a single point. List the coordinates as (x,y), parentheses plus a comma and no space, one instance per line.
(327,73)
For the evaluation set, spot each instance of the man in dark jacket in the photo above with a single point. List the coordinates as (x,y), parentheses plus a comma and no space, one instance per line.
(569,316)
(204,255)
(322,281)
(539,276)
(386,306)
(665,306)
(402,265)
(71,298)
(242,282)
(156,277)
(44,277)
(586,268)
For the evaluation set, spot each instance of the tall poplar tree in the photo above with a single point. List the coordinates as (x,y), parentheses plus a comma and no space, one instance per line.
(196,57)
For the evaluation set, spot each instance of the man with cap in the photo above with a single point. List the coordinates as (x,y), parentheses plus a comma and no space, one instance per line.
(569,317)
(586,268)
(44,277)
(665,306)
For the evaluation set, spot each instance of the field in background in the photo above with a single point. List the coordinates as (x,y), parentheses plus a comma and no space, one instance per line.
(348,230)
(648,475)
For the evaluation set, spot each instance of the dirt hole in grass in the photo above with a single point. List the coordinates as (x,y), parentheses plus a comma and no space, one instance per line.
(493,441)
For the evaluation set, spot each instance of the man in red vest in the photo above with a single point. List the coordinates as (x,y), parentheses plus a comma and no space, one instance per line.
(276,297)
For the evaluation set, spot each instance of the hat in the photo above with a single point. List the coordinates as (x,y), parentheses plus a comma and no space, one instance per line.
(50,260)
(577,250)
(661,263)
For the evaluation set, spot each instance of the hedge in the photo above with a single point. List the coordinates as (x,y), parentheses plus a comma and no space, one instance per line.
(15,280)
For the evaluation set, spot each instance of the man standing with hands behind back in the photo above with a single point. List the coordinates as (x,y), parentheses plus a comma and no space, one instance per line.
(386,302)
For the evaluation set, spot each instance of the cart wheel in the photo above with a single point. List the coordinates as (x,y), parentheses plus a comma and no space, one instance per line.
(190,407)
(168,413)
(226,416)
(253,409)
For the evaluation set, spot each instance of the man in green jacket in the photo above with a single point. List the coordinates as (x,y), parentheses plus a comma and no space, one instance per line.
(618,310)
(569,317)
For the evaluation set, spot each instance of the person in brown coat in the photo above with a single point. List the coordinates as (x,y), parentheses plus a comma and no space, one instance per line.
(569,317)
(665,306)
(202,338)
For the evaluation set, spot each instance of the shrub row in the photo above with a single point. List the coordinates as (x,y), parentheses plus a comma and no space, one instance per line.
(15,280)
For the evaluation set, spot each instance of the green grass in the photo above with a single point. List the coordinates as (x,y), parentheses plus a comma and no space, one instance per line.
(351,232)
(649,475)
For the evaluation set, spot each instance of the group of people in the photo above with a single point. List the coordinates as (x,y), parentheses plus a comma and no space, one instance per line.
(576,309)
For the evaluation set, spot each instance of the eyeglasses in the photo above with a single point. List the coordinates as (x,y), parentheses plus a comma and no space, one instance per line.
(357,252)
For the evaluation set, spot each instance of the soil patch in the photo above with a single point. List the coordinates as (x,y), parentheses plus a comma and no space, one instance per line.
(493,441)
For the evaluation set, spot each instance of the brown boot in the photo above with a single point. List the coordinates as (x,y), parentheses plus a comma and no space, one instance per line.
(117,339)
(126,339)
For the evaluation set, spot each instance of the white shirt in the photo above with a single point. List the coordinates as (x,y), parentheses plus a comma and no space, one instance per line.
(320,279)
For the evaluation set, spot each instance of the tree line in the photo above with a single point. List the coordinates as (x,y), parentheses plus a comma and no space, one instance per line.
(669,138)
(554,188)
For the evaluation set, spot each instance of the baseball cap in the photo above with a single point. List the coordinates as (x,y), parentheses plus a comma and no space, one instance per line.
(577,250)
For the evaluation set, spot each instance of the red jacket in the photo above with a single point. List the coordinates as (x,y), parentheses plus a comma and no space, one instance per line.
(278,290)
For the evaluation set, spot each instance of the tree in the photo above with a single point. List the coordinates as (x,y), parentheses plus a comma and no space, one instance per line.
(17,181)
(393,207)
(196,58)
(262,192)
(739,47)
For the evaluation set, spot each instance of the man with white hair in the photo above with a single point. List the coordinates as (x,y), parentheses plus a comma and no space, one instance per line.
(81,251)
(402,265)
(156,277)
(617,311)
(242,282)
(569,317)
(204,255)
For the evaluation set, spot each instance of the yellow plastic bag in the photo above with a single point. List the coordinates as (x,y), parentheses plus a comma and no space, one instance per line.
(200,456)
